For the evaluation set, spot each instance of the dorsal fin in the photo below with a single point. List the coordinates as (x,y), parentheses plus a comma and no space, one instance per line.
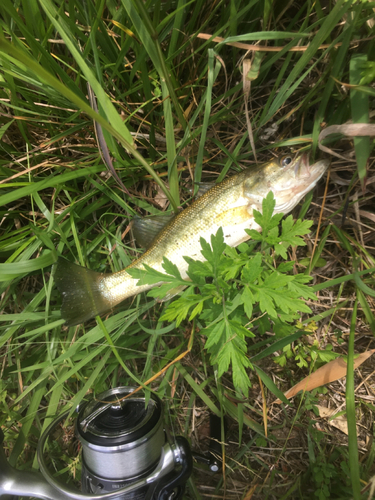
(145,229)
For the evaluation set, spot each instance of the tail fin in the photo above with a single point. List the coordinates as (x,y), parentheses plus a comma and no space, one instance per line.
(80,289)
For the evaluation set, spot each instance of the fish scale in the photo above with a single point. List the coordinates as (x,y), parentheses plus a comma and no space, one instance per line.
(229,205)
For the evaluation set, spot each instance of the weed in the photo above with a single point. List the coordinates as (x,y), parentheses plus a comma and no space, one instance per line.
(234,287)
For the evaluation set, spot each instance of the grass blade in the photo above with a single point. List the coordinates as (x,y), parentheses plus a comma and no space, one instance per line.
(350,412)
(360,114)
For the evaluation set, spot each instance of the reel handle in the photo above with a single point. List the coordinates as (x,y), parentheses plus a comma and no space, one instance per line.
(22,483)
(177,483)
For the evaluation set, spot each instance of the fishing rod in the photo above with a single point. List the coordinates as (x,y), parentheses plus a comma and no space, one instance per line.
(127,454)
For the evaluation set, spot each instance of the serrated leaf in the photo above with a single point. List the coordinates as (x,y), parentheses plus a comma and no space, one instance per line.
(206,249)
(266,222)
(302,278)
(254,235)
(285,267)
(247,301)
(161,291)
(266,303)
(230,267)
(179,309)
(215,335)
(290,235)
(252,269)
(281,249)
(197,310)
(327,356)
(198,269)
(171,268)
(232,271)
(273,236)
(264,219)
(150,276)
(301,362)
(301,290)
(280,360)
(234,354)
(286,302)
(176,312)
(240,330)
(291,230)
(232,252)
(277,280)
(144,277)
(218,244)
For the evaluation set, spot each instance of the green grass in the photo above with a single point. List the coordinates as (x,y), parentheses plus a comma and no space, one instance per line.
(171,108)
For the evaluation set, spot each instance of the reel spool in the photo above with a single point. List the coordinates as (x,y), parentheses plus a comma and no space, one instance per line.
(122,440)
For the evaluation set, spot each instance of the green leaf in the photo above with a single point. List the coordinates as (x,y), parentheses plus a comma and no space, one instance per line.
(266,303)
(214,252)
(360,114)
(198,269)
(266,220)
(277,280)
(290,235)
(234,354)
(171,268)
(301,290)
(248,300)
(285,267)
(215,335)
(253,269)
(240,330)
(150,276)
(179,309)
(19,268)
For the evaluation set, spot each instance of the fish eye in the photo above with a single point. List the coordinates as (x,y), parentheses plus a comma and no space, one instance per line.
(285,161)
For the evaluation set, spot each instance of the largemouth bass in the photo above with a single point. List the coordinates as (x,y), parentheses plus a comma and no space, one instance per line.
(229,205)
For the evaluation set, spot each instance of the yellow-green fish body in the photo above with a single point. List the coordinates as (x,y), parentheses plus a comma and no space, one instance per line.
(229,205)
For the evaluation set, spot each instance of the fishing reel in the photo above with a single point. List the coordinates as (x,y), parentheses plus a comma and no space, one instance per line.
(126,454)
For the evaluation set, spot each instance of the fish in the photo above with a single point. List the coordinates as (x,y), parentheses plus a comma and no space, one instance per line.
(229,204)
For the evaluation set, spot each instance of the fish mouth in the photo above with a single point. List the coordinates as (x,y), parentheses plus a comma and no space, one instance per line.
(306,175)
(302,165)
(310,173)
